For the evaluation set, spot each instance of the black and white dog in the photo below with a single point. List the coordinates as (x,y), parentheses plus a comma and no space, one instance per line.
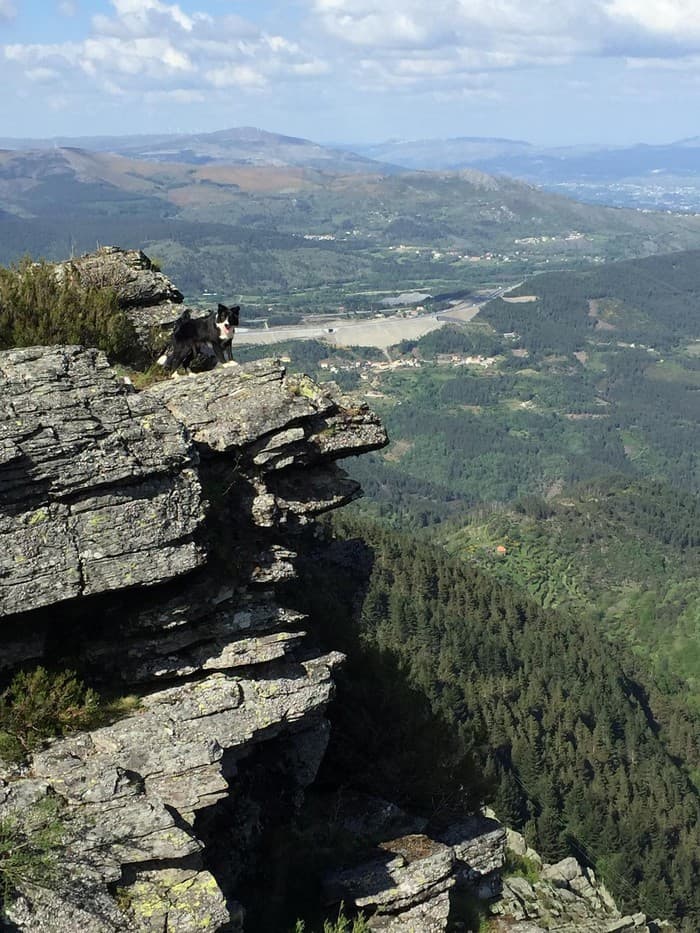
(208,335)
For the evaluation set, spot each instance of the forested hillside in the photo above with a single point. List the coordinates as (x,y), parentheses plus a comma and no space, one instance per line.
(559,468)
(577,745)
(652,300)
(624,553)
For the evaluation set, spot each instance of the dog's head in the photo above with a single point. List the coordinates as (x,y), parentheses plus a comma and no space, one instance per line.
(227,320)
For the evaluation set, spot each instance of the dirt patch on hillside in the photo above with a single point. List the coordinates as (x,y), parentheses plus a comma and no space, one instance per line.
(396,450)
(594,312)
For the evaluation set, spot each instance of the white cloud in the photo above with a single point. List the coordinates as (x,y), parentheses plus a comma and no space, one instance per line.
(139,14)
(678,20)
(433,41)
(161,52)
(177,96)
(153,49)
(42,75)
(152,57)
(243,76)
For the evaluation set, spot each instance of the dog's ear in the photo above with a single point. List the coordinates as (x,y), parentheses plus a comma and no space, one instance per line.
(183,319)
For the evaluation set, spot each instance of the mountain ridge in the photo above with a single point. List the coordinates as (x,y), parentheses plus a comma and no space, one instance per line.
(236,145)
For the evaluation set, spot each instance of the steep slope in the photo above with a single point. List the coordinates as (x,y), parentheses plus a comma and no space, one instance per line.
(627,553)
(572,737)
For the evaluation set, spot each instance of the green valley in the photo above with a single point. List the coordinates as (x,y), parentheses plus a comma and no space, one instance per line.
(295,239)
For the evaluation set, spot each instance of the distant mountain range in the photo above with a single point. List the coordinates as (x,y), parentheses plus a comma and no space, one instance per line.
(263,230)
(662,177)
(521,159)
(238,146)
(665,177)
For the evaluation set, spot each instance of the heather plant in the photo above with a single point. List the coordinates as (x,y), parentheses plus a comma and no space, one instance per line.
(342,924)
(29,843)
(39,705)
(39,307)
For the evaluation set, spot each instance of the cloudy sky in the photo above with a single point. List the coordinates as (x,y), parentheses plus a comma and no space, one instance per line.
(553,71)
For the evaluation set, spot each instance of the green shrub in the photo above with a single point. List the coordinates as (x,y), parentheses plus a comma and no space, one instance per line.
(521,866)
(39,308)
(342,925)
(39,705)
(29,845)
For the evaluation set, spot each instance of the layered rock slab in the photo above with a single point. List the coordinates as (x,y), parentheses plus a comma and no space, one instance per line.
(98,477)
(98,485)
(132,276)
(407,887)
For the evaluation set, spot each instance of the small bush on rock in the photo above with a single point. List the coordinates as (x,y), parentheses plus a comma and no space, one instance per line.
(39,307)
(521,866)
(342,925)
(29,845)
(39,705)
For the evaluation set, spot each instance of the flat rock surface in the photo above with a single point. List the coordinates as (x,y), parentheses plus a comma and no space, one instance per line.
(290,418)
(98,488)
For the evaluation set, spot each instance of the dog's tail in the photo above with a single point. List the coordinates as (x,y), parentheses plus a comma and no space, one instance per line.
(164,359)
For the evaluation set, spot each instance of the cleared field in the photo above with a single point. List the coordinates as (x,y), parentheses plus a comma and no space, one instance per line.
(463,311)
(380,333)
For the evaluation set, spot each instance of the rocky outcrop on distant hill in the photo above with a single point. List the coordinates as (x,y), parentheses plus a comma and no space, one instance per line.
(132,275)
(148,297)
(143,536)
(421,882)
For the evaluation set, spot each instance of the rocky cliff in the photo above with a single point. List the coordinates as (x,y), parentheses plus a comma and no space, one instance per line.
(478,875)
(143,535)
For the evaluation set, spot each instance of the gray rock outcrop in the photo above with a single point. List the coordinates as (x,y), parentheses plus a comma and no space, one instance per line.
(98,485)
(406,884)
(409,885)
(143,535)
(135,280)
(565,897)
(148,297)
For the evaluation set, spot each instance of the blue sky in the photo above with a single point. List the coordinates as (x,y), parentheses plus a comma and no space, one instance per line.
(557,71)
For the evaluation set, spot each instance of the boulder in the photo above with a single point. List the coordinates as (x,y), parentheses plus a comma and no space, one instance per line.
(135,280)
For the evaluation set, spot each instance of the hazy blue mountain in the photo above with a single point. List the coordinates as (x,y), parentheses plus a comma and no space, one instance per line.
(523,160)
(661,177)
(664,177)
(238,146)
(434,154)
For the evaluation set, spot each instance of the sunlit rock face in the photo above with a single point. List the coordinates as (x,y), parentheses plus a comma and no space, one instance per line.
(142,537)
